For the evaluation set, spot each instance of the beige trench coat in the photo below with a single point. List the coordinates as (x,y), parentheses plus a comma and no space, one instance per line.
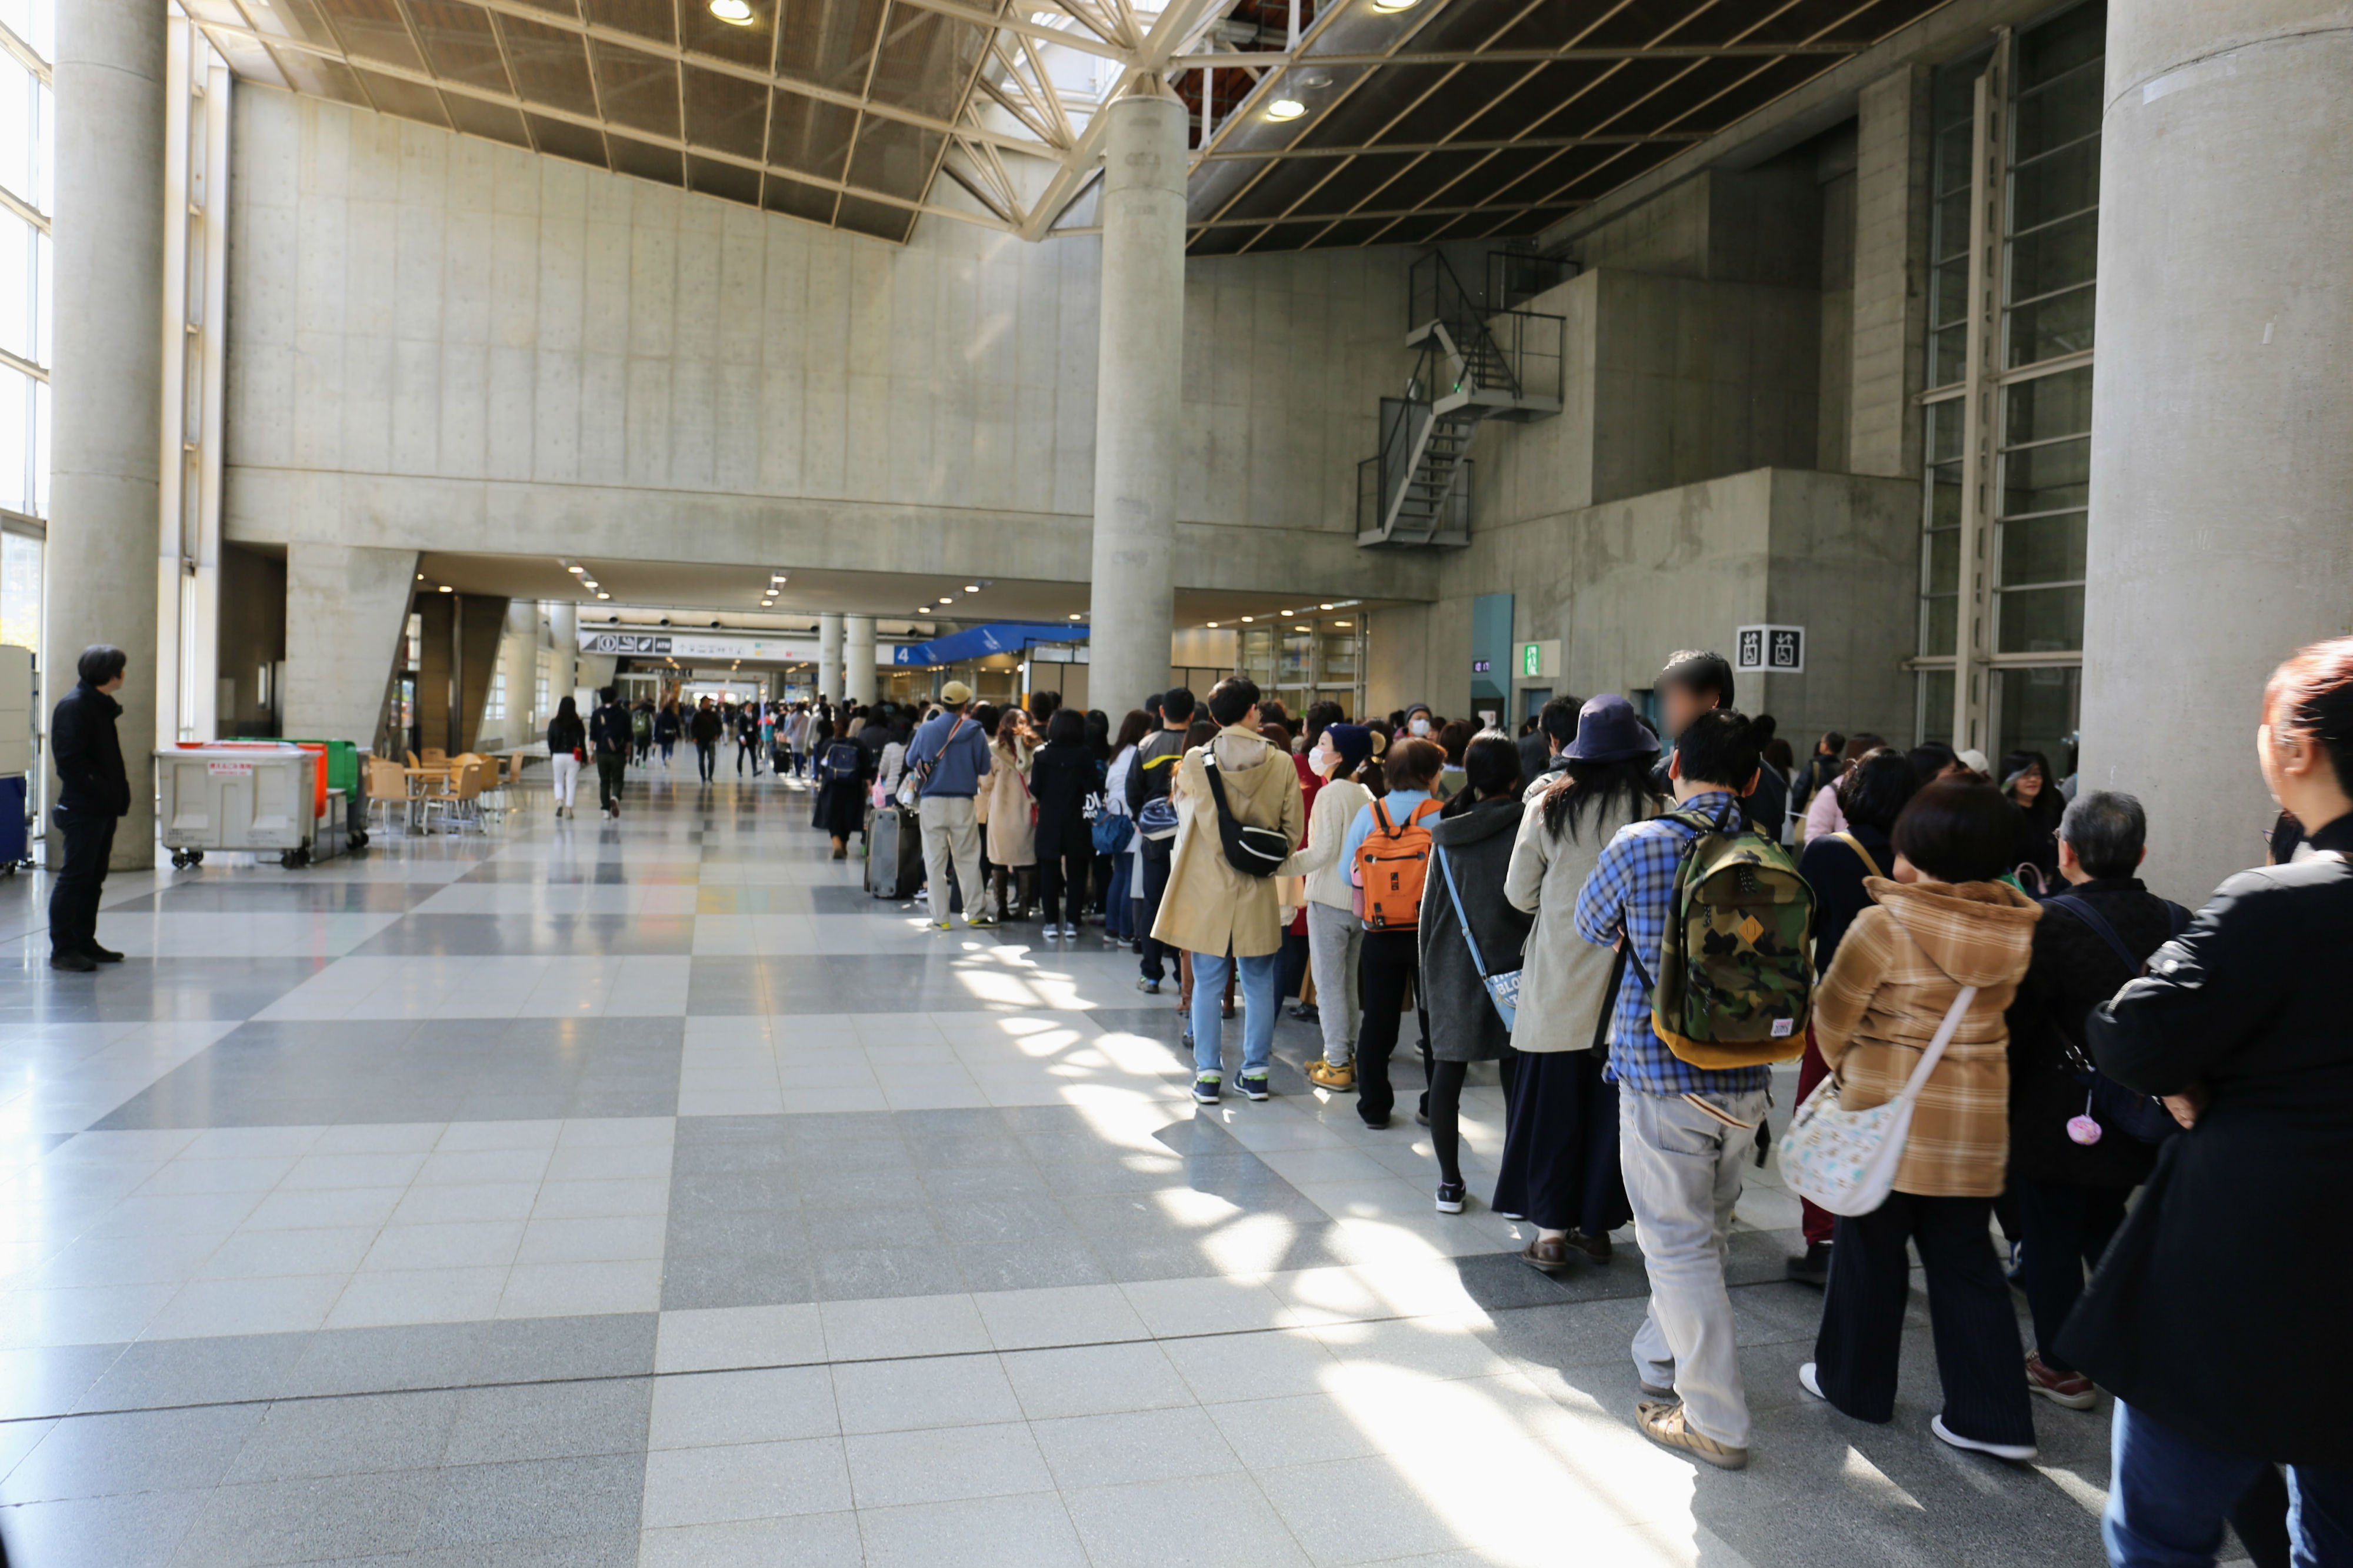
(1012,835)
(1209,906)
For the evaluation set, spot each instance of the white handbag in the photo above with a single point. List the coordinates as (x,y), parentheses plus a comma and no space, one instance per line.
(1845,1160)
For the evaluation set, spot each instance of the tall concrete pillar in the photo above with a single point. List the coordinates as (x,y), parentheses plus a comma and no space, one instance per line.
(857,658)
(2218,540)
(106,392)
(828,656)
(519,662)
(346,610)
(564,630)
(1139,370)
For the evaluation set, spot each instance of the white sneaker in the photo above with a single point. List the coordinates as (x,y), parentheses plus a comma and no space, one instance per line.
(2018,1452)
(1070,932)
(1808,1381)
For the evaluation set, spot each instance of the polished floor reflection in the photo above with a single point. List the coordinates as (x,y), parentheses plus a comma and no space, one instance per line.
(583,1194)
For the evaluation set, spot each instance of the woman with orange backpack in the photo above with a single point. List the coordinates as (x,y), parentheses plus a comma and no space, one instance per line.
(1388,850)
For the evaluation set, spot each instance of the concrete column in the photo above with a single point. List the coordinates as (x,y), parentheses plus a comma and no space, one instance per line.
(1139,370)
(828,656)
(2219,475)
(563,630)
(106,390)
(346,608)
(1889,351)
(857,658)
(519,659)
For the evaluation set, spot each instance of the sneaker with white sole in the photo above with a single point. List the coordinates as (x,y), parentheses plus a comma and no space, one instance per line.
(1451,1196)
(1204,1089)
(2018,1452)
(2071,1389)
(1253,1085)
(1809,1380)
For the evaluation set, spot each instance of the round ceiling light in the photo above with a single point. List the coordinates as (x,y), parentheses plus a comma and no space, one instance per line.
(736,12)
(1383,6)
(1285,109)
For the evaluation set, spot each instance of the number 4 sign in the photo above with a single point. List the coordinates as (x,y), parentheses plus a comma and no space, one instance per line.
(1768,650)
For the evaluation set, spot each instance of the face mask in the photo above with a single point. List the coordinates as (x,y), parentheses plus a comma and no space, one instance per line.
(1419,726)
(1326,758)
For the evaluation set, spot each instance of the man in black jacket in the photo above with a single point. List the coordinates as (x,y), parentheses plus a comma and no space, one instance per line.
(609,739)
(2217,1318)
(1148,778)
(703,728)
(93,794)
(2071,1195)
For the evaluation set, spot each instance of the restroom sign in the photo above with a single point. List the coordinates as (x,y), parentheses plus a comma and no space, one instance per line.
(1768,650)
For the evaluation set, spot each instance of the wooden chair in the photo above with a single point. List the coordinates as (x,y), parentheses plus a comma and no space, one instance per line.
(383,784)
(464,801)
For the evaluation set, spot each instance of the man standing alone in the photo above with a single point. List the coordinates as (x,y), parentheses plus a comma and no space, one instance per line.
(93,794)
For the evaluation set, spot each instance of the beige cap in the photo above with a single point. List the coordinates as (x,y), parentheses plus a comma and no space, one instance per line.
(955,694)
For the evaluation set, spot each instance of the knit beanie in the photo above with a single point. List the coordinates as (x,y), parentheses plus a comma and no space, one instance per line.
(1353,742)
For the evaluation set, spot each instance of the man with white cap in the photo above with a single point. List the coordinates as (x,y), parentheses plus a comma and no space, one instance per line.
(948,757)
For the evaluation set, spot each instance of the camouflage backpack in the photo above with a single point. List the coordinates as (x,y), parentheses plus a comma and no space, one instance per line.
(1735,975)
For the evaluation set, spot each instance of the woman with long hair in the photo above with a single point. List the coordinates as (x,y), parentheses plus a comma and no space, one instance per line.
(1012,820)
(1062,775)
(567,737)
(1560,1149)
(2028,783)
(1347,760)
(1469,932)
(1120,915)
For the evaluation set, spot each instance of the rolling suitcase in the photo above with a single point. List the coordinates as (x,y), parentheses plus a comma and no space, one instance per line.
(895,854)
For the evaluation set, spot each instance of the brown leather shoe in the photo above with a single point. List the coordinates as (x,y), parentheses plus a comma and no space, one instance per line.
(1551,1256)
(1663,1424)
(1596,1247)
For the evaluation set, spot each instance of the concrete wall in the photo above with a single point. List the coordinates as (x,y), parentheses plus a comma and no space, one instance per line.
(1624,582)
(442,343)
(344,610)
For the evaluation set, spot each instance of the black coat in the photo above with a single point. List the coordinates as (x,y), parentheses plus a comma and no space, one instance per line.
(88,753)
(1463,1023)
(565,736)
(2232,1271)
(1061,775)
(1836,873)
(609,731)
(703,725)
(2073,971)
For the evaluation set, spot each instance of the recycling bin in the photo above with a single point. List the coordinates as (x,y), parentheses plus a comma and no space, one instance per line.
(242,796)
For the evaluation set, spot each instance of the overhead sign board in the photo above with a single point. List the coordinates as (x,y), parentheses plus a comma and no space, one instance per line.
(1768,650)
(712,644)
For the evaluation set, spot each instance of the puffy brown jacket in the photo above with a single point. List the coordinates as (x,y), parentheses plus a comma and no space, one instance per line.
(1896,973)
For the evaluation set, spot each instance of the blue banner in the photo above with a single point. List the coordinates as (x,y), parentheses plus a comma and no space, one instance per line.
(979,642)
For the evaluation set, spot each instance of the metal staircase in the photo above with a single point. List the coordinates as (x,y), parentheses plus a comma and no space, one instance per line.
(1472,366)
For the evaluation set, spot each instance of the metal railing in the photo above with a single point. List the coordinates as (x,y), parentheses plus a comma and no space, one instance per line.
(1533,345)
(1514,278)
(1371,515)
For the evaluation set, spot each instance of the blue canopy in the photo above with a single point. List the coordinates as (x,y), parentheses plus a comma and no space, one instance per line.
(979,642)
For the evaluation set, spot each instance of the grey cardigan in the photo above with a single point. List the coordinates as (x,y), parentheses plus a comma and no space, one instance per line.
(1562,977)
(1463,1023)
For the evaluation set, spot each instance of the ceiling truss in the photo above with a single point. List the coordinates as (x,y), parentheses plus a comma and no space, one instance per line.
(1437,119)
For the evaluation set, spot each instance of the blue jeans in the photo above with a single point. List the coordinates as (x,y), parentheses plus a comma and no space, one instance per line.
(2169,1494)
(1119,918)
(1259,1004)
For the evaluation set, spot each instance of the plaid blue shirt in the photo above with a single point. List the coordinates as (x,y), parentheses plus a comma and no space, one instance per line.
(1630,889)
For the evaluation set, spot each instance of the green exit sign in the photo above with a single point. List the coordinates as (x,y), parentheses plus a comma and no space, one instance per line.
(1540,660)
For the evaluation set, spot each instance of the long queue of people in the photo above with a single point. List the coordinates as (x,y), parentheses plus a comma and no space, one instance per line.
(1996,1023)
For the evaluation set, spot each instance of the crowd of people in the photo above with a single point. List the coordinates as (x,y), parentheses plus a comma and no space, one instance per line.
(1979,949)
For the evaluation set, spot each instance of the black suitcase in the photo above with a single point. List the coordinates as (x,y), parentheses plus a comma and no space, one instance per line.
(895,854)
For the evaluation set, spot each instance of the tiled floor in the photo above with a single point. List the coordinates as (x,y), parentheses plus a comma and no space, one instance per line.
(585,1195)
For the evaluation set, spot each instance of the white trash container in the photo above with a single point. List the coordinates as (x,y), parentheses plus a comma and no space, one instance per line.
(246,797)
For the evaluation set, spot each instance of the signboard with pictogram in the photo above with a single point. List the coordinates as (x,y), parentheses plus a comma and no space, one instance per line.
(1768,650)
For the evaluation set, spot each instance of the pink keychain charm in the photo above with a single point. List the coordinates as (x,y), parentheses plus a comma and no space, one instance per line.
(2083,1129)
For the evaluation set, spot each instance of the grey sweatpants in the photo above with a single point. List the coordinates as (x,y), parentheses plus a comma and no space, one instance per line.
(1334,940)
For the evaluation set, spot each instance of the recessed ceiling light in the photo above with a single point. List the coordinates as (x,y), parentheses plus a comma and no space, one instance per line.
(972,587)
(1339,623)
(1213,626)
(1328,607)
(577,570)
(443,589)
(1246,620)
(1388,5)
(604,595)
(1077,617)
(736,13)
(1302,628)
(1285,109)
(420,577)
